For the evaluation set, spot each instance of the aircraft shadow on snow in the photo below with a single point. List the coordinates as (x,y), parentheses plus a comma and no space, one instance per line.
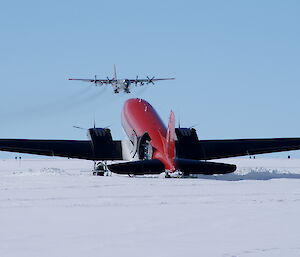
(252,175)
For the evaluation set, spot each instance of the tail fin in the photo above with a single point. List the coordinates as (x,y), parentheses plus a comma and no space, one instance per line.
(170,139)
(115,72)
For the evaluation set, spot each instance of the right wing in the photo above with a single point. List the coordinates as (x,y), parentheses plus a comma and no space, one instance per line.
(64,148)
(216,149)
(148,80)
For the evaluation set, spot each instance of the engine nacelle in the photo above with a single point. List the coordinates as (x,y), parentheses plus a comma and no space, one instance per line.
(186,135)
(187,143)
(98,135)
(102,143)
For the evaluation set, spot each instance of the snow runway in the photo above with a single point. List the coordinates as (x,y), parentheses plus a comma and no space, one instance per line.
(56,208)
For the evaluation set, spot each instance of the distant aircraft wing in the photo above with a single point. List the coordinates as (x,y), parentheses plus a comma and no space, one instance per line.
(163,79)
(216,149)
(148,80)
(63,148)
(97,81)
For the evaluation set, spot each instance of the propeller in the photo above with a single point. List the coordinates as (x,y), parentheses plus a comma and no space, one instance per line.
(95,81)
(194,126)
(79,128)
(136,80)
(150,80)
(109,80)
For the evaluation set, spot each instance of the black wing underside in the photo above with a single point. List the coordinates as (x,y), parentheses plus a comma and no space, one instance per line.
(200,150)
(216,149)
(63,148)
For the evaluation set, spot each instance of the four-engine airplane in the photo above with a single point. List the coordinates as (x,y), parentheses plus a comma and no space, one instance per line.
(151,147)
(122,84)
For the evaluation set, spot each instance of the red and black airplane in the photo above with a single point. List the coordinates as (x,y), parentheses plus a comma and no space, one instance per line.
(151,147)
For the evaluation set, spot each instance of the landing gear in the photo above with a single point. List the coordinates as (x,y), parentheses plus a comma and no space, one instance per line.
(101,169)
(175,174)
(98,173)
(146,151)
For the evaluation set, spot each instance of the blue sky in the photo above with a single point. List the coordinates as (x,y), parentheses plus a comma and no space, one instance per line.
(236,65)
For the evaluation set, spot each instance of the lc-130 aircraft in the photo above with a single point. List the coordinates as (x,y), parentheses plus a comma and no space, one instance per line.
(122,84)
(151,147)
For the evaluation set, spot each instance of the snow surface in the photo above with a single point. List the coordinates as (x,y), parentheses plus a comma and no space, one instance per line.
(54,207)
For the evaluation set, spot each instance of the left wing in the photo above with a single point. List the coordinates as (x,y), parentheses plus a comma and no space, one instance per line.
(96,81)
(64,148)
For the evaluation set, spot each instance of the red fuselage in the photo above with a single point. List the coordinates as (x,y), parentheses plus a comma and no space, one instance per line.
(139,117)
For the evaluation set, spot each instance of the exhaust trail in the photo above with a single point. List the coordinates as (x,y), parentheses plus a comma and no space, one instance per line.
(79,101)
(71,103)
(91,98)
(57,107)
(141,91)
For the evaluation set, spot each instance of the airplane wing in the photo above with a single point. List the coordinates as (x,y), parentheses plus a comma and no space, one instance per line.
(216,149)
(96,81)
(162,79)
(148,80)
(63,148)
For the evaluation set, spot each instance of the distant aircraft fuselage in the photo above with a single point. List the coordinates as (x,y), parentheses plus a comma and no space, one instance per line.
(122,85)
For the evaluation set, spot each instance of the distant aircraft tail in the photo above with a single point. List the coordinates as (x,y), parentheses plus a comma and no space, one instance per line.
(115,72)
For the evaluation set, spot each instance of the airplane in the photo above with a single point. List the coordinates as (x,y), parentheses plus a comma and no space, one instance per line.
(152,147)
(122,84)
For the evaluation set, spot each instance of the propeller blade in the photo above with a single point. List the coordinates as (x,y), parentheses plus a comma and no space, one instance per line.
(79,128)
(136,80)
(150,80)
(195,125)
